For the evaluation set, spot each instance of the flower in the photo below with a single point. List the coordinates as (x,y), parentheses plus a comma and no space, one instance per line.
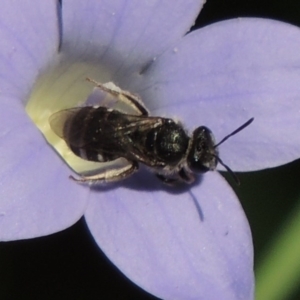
(175,244)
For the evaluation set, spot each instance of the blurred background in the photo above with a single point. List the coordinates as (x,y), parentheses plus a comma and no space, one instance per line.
(68,265)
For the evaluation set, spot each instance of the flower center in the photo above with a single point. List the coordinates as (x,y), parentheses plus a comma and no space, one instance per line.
(62,87)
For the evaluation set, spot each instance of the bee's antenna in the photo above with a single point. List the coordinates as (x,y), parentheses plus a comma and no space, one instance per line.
(235,178)
(237,181)
(233,133)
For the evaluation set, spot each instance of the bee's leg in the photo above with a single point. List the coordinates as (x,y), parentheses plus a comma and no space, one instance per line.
(182,176)
(167,180)
(124,96)
(186,176)
(110,175)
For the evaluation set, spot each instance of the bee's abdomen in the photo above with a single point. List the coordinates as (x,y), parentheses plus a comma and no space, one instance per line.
(85,134)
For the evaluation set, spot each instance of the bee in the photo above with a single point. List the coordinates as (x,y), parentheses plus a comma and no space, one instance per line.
(106,133)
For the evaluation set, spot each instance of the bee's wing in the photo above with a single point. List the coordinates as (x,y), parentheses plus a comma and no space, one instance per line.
(114,134)
(117,133)
(132,135)
(58,120)
(132,123)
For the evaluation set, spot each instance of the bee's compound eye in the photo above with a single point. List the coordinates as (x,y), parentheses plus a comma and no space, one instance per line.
(202,156)
(197,166)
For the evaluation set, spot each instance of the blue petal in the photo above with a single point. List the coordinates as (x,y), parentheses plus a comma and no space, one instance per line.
(193,244)
(36,195)
(29,38)
(224,74)
(122,35)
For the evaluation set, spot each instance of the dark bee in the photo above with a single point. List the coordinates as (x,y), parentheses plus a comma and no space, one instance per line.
(104,134)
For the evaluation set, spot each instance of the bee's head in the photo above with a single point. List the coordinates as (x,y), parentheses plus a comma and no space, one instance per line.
(203,155)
